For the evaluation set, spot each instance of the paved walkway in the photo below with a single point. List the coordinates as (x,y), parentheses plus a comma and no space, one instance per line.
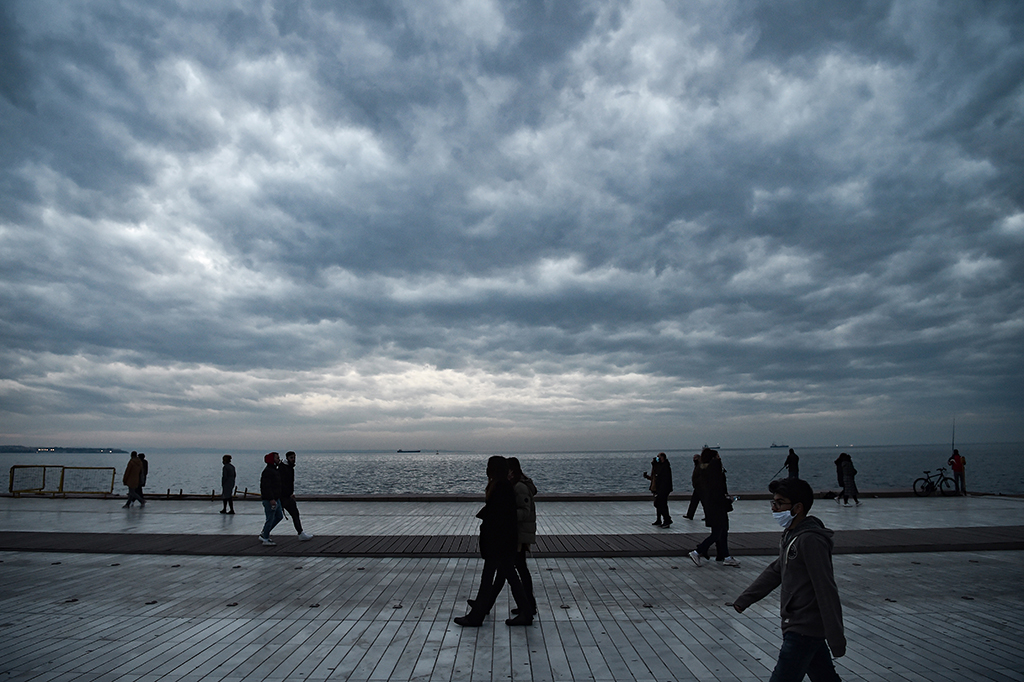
(148,617)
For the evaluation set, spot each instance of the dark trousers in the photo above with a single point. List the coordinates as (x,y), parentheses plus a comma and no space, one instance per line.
(498,571)
(694,501)
(802,655)
(958,481)
(524,577)
(289,505)
(661,504)
(720,537)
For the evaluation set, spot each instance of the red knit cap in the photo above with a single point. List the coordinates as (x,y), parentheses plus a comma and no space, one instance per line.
(269,459)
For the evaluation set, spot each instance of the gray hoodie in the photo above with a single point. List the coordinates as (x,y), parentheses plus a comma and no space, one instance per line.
(810,599)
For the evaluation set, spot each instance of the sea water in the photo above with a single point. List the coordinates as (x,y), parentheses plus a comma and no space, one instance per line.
(991,468)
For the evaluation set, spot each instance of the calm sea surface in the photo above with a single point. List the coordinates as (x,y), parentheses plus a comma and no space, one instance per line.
(993,468)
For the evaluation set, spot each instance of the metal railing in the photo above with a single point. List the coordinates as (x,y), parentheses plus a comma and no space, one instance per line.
(55,479)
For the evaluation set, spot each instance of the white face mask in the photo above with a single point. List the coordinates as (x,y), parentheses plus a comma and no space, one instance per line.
(783,518)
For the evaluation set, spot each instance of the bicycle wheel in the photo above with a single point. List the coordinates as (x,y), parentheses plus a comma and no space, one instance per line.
(947,487)
(922,487)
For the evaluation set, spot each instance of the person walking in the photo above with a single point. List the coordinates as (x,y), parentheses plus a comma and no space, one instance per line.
(142,476)
(663,485)
(130,479)
(847,478)
(691,510)
(812,615)
(792,464)
(958,462)
(288,493)
(526,516)
(227,485)
(499,535)
(270,494)
(717,504)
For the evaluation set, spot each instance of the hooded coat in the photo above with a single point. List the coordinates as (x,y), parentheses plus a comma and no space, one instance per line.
(714,491)
(132,471)
(526,510)
(810,603)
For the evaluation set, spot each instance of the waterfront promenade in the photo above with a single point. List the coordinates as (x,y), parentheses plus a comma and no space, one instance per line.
(931,590)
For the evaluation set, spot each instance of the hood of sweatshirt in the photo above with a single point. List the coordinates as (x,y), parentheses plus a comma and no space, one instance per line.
(811,524)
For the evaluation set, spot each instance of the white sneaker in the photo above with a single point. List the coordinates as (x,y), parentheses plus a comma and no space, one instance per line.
(305,536)
(729,561)
(267,542)
(695,557)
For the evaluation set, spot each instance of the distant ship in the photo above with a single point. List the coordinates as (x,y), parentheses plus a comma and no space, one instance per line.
(773,445)
(408,450)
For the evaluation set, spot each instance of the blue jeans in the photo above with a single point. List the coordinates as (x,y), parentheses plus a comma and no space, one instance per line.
(274,516)
(802,655)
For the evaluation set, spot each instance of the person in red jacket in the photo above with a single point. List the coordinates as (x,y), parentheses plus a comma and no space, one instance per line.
(958,462)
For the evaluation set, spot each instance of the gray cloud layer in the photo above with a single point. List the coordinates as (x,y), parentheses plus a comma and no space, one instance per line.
(511,224)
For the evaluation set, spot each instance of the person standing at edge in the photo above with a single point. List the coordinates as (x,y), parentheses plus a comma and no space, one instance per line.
(227,484)
(499,536)
(288,493)
(663,486)
(715,497)
(812,615)
(793,464)
(130,479)
(270,493)
(957,462)
(142,476)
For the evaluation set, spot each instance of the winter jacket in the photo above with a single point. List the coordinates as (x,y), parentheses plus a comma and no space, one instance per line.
(663,479)
(287,472)
(132,471)
(714,492)
(227,477)
(270,483)
(810,599)
(499,532)
(526,510)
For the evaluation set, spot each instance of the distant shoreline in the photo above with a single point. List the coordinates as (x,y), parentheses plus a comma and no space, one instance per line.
(32,451)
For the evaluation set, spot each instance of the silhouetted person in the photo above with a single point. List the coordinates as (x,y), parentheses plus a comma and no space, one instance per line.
(716,501)
(957,462)
(653,487)
(691,510)
(130,479)
(846,476)
(812,616)
(663,485)
(499,540)
(270,494)
(142,476)
(793,464)
(227,484)
(288,493)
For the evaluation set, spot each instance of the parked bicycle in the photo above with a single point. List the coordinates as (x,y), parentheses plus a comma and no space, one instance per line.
(930,482)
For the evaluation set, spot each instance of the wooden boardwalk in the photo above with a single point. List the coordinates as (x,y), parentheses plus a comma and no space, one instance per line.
(561,545)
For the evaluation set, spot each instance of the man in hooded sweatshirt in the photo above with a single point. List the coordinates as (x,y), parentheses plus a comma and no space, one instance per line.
(812,616)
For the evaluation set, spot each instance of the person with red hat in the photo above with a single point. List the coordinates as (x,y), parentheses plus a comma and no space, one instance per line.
(270,493)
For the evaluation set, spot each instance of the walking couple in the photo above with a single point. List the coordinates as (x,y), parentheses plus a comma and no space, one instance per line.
(508,528)
(277,490)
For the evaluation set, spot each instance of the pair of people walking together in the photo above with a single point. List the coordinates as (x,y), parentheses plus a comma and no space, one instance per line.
(277,491)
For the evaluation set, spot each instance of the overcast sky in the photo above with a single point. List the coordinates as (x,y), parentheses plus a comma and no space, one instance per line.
(510,225)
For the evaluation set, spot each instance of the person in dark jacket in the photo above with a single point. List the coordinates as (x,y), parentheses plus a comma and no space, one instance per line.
(132,471)
(227,485)
(715,498)
(812,615)
(142,476)
(691,510)
(270,493)
(653,487)
(793,464)
(846,477)
(499,543)
(288,493)
(663,487)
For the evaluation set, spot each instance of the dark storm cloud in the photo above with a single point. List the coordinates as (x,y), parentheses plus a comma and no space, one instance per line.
(518,221)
